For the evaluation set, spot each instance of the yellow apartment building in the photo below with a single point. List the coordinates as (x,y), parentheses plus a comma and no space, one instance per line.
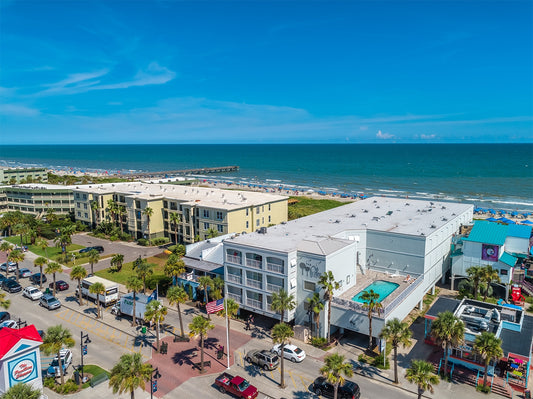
(17,175)
(37,199)
(200,210)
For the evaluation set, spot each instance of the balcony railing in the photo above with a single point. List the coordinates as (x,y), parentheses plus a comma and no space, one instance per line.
(254,303)
(235,297)
(234,259)
(253,263)
(273,287)
(254,283)
(235,278)
(275,268)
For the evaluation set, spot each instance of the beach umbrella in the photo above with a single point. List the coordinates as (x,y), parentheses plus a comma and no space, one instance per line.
(527,222)
(491,211)
(492,219)
(502,211)
(514,213)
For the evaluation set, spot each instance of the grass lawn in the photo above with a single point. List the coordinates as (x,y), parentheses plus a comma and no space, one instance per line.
(127,269)
(94,371)
(307,206)
(51,251)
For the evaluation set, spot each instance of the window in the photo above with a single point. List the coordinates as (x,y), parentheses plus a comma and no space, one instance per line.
(86,215)
(246,211)
(206,226)
(84,196)
(269,207)
(263,208)
(257,210)
(247,224)
(220,216)
(173,206)
(263,220)
(206,213)
(137,204)
(309,286)
(504,272)
(79,214)
(78,205)
(220,228)
(257,222)
(269,219)
(165,204)
(348,279)
(84,205)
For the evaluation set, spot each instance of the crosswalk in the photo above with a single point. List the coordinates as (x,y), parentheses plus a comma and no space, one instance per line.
(297,380)
(111,334)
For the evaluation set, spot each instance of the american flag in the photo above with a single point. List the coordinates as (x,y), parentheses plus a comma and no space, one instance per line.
(215,306)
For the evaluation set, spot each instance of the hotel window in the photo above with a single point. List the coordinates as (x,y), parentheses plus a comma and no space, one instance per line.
(79,214)
(137,204)
(206,226)
(309,286)
(246,211)
(181,208)
(77,195)
(220,216)
(84,196)
(257,222)
(206,213)
(504,272)
(220,228)
(165,214)
(84,205)
(269,219)
(173,206)
(257,210)
(86,215)
(78,205)
(165,204)
(269,208)
(247,224)
(262,220)
(122,199)
(263,208)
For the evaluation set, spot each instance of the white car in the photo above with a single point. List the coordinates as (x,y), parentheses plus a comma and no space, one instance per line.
(291,352)
(8,267)
(66,359)
(33,293)
(9,324)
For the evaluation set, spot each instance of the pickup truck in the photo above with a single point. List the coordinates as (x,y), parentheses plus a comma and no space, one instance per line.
(237,386)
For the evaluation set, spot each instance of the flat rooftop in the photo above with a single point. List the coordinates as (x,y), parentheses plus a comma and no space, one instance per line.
(202,196)
(41,186)
(319,233)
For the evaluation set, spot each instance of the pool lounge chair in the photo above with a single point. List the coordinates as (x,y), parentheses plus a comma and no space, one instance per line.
(407,278)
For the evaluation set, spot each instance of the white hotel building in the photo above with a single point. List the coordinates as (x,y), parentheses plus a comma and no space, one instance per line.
(403,242)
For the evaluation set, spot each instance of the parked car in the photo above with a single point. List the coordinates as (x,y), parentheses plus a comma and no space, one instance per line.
(11,286)
(60,285)
(291,352)
(99,248)
(33,293)
(4,316)
(50,302)
(263,358)
(66,360)
(36,278)
(23,273)
(236,386)
(9,324)
(349,390)
(8,267)
(2,278)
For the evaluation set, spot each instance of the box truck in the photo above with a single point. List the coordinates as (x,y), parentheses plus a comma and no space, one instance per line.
(125,305)
(106,299)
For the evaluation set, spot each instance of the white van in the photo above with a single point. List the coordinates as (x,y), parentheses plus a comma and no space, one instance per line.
(111,290)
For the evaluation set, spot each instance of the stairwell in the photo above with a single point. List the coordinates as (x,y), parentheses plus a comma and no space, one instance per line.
(527,287)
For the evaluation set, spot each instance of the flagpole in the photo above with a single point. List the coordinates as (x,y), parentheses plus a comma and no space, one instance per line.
(227,320)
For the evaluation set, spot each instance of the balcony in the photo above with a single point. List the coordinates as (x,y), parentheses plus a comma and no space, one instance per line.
(235,278)
(253,263)
(275,268)
(234,259)
(254,283)
(235,297)
(254,303)
(273,287)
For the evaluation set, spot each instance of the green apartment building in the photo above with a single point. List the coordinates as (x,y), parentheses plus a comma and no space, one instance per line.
(26,175)
(37,199)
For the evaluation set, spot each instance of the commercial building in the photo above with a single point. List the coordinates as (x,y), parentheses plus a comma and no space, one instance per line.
(397,247)
(200,210)
(25,175)
(37,199)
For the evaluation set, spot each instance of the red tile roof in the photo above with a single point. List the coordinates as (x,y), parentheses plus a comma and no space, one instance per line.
(9,337)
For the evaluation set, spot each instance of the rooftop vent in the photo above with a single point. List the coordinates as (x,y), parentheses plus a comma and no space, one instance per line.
(375,219)
(365,211)
(433,226)
(375,201)
(389,213)
(443,208)
(431,203)
(422,234)
(263,230)
(337,221)
(283,222)
(407,204)
(352,215)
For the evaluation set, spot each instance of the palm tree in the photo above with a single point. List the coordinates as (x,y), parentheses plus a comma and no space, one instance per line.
(371,304)
(20,229)
(204,282)
(129,374)
(282,301)
(174,266)
(43,244)
(143,270)
(334,369)
(95,209)
(448,330)
(175,219)
(280,335)
(155,313)
(488,276)
(22,391)
(148,212)
(5,247)
(177,295)
(135,285)
(4,303)
(476,274)
(116,261)
(329,285)
(232,308)
(121,211)
(78,273)
(16,256)
(53,268)
(97,289)
(212,233)
(398,333)
(218,286)
(112,209)
(316,306)
(55,339)
(421,374)
(40,262)
(65,237)
(200,327)
(93,256)
(489,347)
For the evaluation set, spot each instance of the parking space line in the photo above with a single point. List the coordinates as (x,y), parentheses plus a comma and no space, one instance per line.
(292,378)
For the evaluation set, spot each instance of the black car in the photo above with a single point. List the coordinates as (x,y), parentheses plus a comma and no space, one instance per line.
(2,278)
(36,278)
(11,286)
(4,316)
(350,390)
(99,248)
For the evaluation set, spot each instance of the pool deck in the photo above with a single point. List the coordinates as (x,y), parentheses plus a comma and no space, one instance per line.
(364,280)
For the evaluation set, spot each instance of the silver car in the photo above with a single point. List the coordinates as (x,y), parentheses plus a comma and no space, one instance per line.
(50,302)
(265,359)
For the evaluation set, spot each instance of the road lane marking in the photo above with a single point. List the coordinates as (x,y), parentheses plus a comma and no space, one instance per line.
(294,382)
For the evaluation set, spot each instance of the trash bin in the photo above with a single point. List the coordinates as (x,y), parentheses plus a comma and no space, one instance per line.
(77,377)
(143,329)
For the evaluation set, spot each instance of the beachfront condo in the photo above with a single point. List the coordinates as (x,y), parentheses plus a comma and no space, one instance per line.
(202,212)
(37,199)
(23,175)
(397,247)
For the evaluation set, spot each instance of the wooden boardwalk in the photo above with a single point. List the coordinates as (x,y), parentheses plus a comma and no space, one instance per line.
(172,173)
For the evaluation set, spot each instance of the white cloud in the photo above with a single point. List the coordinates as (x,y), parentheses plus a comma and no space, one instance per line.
(18,110)
(384,136)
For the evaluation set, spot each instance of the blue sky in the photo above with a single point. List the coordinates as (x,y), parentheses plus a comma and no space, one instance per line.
(265,72)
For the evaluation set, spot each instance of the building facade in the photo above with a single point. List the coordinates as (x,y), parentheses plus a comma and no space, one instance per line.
(403,243)
(37,199)
(26,175)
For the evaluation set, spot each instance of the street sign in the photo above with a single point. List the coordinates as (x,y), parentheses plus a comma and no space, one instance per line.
(154,386)
(84,349)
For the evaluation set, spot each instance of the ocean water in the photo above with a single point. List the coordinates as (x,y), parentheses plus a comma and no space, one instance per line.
(499,176)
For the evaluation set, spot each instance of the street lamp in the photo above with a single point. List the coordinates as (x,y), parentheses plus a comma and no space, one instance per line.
(21,324)
(83,347)
(153,382)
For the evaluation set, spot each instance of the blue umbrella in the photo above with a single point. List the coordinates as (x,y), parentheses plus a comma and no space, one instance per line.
(491,211)
(492,219)
(502,211)
(527,222)
(514,213)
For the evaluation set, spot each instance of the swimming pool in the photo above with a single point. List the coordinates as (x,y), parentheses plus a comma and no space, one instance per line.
(381,287)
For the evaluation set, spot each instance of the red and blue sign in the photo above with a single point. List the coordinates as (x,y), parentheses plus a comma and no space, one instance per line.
(22,369)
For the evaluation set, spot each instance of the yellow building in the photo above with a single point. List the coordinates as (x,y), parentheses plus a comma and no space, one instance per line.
(201,211)
(27,175)
(37,199)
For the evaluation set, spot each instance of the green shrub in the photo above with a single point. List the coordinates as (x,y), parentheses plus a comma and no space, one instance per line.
(190,292)
(113,238)
(177,249)
(483,388)
(142,242)
(125,237)
(69,386)
(159,280)
(319,342)
(160,241)
(50,382)
(362,358)
(378,362)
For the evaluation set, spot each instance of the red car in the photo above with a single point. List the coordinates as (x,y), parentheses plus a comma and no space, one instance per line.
(237,386)
(60,285)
